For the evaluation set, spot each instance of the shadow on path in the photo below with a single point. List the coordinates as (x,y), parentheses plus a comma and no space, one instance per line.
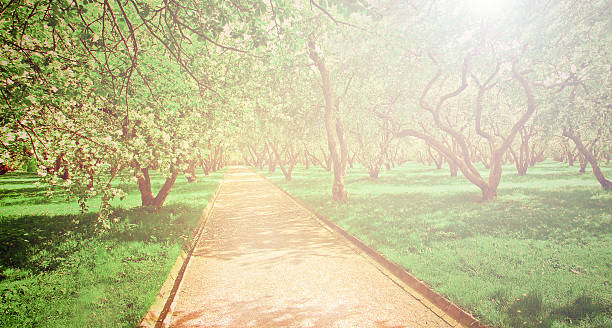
(264,261)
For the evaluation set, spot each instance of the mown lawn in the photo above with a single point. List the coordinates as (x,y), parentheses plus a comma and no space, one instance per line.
(539,256)
(56,270)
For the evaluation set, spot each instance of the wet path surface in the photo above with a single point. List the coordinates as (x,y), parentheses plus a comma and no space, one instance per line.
(264,261)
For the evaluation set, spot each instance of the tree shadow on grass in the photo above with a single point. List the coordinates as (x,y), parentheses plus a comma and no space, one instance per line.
(583,308)
(30,195)
(38,243)
(433,179)
(19,176)
(549,215)
(580,196)
(540,215)
(528,311)
(170,223)
(22,192)
(42,243)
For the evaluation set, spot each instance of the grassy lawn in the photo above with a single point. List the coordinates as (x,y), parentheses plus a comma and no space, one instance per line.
(57,271)
(540,256)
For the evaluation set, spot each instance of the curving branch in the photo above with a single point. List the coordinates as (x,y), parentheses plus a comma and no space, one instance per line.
(482,89)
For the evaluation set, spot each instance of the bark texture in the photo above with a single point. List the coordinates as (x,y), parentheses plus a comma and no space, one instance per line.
(588,155)
(462,158)
(335,134)
(146,194)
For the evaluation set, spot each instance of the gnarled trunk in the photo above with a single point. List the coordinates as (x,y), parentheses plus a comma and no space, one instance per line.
(588,156)
(146,194)
(286,167)
(463,159)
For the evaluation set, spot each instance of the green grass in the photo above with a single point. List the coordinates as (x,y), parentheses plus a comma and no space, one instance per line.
(57,270)
(539,256)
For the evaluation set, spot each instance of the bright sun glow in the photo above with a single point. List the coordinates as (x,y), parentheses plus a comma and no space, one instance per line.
(487,8)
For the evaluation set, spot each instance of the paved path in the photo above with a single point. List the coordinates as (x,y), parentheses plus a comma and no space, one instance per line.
(264,261)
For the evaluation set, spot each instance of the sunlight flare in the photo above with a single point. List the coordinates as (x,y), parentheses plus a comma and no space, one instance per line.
(486,9)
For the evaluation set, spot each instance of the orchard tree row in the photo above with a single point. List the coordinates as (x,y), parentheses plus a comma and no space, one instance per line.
(442,83)
(94,91)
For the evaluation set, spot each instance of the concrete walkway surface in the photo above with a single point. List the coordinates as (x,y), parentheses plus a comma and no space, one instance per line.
(265,261)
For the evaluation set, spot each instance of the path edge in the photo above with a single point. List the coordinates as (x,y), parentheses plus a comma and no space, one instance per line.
(160,312)
(449,309)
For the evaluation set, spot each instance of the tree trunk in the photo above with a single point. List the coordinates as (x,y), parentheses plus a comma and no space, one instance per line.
(489,194)
(144,185)
(438,161)
(521,167)
(286,170)
(328,161)
(165,190)
(271,161)
(535,157)
(217,159)
(571,157)
(484,162)
(313,159)
(495,172)
(190,173)
(583,164)
(463,159)
(5,169)
(588,155)
(205,164)
(258,157)
(343,147)
(289,171)
(453,169)
(335,140)
(146,195)
(220,160)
